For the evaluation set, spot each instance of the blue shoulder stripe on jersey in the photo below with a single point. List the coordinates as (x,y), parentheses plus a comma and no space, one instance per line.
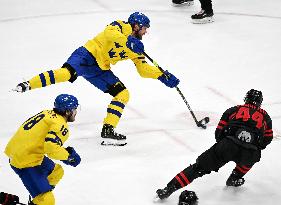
(52,77)
(115,23)
(117,103)
(56,140)
(115,112)
(43,79)
(48,139)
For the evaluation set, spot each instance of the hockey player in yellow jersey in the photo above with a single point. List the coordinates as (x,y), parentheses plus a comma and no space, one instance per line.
(119,41)
(38,140)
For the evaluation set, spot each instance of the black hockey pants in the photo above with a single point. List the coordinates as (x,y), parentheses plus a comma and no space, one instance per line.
(213,159)
(225,151)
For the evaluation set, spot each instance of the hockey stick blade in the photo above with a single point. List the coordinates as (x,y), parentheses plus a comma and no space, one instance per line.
(202,123)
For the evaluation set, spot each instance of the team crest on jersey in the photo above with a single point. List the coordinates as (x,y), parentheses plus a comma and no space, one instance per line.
(244,136)
(112,52)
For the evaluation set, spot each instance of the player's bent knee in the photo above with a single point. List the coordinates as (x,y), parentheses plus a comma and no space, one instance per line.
(56,175)
(47,198)
(123,96)
(115,89)
(194,171)
(72,71)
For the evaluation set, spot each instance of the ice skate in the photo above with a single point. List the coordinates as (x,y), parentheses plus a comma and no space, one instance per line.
(110,137)
(162,194)
(235,180)
(22,87)
(202,17)
(183,2)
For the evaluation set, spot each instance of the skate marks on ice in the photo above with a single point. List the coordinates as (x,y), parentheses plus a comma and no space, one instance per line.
(131,114)
(249,15)
(222,95)
(187,119)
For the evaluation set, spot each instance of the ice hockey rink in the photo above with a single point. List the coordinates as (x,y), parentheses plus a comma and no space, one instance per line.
(217,64)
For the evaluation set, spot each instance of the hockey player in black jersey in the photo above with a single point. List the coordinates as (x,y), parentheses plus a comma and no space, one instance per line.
(242,132)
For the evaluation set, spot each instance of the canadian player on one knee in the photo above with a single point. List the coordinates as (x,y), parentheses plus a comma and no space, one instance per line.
(119,41)
(242,132)
(39,140)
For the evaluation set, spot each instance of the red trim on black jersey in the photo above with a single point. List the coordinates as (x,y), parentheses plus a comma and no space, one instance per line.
(221,124)
(268,133)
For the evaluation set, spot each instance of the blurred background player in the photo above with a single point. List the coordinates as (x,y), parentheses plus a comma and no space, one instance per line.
(242,132)
(41,135)
(206,15)
(183,2)
(119,41)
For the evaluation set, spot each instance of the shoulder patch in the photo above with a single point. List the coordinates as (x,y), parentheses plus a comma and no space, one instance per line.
(52,114)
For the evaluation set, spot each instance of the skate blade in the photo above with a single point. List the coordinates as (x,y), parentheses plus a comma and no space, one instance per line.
(156,199)
(203,21)
(111,142)
(15,90)
(183,4)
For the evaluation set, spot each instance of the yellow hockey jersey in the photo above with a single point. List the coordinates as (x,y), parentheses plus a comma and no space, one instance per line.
(109,47)
(41,134)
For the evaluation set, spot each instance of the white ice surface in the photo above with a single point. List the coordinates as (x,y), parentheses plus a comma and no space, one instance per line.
(216,63)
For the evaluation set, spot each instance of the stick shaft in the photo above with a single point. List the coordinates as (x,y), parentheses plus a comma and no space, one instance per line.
(179,91)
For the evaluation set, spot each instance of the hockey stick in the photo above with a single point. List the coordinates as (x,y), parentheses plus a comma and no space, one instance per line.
(202,123)
(9,199)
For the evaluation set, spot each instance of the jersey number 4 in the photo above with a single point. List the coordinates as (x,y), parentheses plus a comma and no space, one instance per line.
(244,113)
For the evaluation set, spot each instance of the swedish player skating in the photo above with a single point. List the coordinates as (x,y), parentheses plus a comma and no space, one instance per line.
(119,41)
(38,140)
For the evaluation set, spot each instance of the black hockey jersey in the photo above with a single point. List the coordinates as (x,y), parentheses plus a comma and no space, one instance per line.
(247,125)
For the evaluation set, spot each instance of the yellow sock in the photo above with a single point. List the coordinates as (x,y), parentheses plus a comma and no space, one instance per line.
(115,108)
(49,77)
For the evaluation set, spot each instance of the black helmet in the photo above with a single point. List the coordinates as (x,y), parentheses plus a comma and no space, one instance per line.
(253,97)
(188,198)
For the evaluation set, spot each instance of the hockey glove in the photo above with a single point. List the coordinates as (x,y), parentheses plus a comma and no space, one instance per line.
(73,158)
(135,45)
(169,79)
